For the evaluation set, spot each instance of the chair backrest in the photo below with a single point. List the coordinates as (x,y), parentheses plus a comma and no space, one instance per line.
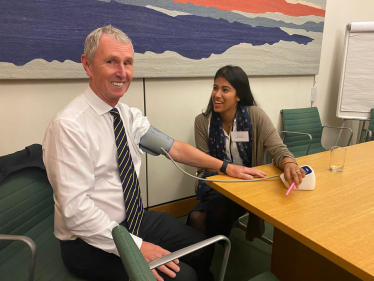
(136,266)
(371,124)
(303,120)
(26,205)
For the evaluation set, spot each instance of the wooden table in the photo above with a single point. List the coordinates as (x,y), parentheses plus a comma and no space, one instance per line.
(324,234)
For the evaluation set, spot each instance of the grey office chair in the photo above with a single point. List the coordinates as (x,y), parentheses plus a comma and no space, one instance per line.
(367,133)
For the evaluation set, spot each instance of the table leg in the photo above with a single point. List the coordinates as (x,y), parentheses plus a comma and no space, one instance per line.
(293,261)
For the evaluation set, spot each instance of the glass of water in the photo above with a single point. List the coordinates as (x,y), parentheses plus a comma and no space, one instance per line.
(337,158)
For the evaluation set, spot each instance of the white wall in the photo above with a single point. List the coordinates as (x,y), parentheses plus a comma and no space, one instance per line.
(172,104)
(338,14)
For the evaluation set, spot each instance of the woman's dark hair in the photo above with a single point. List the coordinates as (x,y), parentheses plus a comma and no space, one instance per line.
(239,80)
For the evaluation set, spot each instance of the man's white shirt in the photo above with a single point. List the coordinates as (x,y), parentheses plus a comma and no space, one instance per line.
(80,155)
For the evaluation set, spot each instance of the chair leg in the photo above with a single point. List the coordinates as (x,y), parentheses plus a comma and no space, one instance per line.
(266,240)
(239,224)
(242,226)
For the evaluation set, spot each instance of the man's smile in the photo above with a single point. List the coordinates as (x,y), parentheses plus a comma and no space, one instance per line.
(118,84)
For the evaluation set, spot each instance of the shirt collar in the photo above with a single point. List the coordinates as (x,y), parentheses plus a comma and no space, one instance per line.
(96,103)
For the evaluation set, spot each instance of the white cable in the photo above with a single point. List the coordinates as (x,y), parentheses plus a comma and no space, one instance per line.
(262,179)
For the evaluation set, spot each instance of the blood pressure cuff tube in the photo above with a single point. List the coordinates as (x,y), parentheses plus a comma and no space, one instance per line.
(153,140)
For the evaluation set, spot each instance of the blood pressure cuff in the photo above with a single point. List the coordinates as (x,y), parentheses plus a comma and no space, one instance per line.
(153,140)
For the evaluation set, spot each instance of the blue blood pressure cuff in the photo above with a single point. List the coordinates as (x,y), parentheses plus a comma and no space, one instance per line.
(153,140)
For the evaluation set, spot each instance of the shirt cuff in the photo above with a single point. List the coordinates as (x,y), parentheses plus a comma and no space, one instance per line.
(138,241)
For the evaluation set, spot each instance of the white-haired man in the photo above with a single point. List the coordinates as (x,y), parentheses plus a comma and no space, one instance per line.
(83,150)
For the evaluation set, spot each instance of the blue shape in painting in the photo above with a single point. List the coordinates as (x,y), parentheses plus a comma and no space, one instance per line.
(56,30)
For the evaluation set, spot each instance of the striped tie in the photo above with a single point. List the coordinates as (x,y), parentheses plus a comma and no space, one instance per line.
(129,178)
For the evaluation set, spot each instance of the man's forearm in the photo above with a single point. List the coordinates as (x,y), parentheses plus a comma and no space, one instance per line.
(189,155)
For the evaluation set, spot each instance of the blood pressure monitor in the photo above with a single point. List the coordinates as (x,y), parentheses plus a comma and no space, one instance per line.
(153,140)
(309,182)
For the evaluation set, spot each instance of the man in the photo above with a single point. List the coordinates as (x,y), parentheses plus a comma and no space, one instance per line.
(92,156)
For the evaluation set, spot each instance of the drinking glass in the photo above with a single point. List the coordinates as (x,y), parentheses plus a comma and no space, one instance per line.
(337,158)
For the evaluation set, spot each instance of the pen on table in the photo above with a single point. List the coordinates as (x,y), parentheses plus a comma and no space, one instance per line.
(290,188)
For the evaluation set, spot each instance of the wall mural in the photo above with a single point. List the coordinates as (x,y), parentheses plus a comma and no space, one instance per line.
(172,38)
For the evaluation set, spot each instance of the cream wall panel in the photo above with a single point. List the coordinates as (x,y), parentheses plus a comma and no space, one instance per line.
(282,92)
(172,105)
(27,106)
(338,14)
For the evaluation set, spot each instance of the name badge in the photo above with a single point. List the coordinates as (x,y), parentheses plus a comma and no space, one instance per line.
(240,136)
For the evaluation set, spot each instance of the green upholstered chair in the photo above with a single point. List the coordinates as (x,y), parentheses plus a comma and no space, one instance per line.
(26,222)
(369,131)
(139,270)
(303,131)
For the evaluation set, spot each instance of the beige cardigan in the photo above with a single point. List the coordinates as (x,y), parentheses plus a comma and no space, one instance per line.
(264,139)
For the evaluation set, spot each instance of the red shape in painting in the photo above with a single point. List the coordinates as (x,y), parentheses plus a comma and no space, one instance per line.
(260,7)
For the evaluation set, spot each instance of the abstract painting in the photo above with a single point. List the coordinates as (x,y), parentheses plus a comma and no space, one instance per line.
(43,39)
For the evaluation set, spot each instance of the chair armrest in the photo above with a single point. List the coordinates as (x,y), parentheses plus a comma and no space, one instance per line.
(138,269)
(187,250)
(134,262)
(32,246)
(299,133)
(368,134)
(341,128)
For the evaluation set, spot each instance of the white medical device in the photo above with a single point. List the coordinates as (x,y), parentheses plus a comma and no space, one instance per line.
(309,182)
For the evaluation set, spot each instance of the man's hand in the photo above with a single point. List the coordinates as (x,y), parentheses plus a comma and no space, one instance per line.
(152,252)
(242,172)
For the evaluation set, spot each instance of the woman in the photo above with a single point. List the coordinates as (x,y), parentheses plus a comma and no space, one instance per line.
(230,117)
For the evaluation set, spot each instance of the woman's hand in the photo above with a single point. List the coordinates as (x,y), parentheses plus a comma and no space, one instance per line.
(242,172)
(292,173)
